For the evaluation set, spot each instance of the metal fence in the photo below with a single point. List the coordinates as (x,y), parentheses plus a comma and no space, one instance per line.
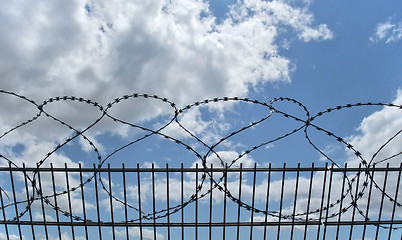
(196,203)
(271,201)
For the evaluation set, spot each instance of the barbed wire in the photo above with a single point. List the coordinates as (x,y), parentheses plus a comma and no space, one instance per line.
(305,124)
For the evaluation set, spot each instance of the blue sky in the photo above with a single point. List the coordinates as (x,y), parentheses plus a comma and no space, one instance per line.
(321,53)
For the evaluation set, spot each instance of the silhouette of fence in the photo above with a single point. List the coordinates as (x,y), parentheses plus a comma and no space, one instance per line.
(221,202)
(319,203)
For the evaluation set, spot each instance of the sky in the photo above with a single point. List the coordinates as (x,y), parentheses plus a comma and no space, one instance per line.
(320,53)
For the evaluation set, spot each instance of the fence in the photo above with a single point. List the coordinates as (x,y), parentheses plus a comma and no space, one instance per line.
(49,200)
(196,203)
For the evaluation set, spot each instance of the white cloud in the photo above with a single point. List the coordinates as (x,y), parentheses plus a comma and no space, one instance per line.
(387,31)
(374,131)
(378,140)
(102,50)
(35,152)
(190,120)
(3,236)
(135,232)
(40,217)
(226,157)
(64,235)
(209,129)
(189,183)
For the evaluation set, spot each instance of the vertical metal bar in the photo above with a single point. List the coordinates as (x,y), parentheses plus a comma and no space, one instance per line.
(210,203)
(281,201)
(238,208)
(42,203)
(15,201)
(355,202)
(139,198)
(328,199)
(153,198)
(4,214)
(182,201)
(395,201)
(83,201)
(309,200)
(324,183)
(167,200)
(97,201)
(196,202)
(111,199)
(341,203)
(69,201)
(225,183)
(267,201)
(382,201)
(55,200)
(252,201)
(28,200)
(125,201)
(368,202)
(295,200)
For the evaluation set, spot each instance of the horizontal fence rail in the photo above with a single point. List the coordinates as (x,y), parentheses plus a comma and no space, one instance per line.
(201,203)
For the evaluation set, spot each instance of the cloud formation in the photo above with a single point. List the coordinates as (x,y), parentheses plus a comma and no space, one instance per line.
(175,49)
(388,31)
(375,131)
